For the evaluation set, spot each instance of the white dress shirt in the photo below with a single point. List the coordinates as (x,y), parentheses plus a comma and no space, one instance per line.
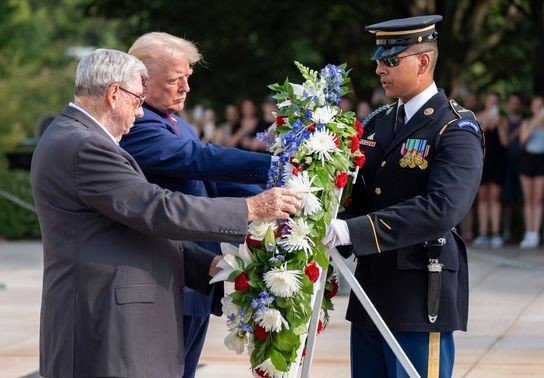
(412,106)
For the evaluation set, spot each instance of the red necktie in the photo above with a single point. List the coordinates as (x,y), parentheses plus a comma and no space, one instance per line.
(174,124)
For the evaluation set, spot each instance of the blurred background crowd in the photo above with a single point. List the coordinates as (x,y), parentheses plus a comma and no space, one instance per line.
(491,59)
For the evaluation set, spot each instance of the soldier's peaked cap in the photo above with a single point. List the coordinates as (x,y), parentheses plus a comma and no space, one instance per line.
(395,36)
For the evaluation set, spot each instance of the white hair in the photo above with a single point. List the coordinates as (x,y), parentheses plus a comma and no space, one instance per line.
(103,67)
(157,49)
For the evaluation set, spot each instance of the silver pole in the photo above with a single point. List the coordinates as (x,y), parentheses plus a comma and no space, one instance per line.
(341,266)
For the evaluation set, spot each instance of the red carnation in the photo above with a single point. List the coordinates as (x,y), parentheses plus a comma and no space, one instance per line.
(359,129)
(337,141)
(354,143)
(311,127)
(260,332)
(260,373)
(312,271)
(297,170)
(341,180)
(252,242)
(279,121)
(347,203)
(319,327)
(359,160)
(332,293)
(241,283)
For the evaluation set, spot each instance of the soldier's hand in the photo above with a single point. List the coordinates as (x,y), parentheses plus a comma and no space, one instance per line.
(337,234)
(276,203)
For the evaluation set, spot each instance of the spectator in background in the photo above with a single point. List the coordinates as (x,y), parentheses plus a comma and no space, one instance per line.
(269,110)
(531,137)
(511,189)
(345,104)
(379,98)
(489,196)
(363,110)
(246,130)
(224,131)
(470,101)
(205,124)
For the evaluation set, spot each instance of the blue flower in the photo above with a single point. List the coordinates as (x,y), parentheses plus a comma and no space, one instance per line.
(266,139)
(245,327)
(231,318)
(333,76)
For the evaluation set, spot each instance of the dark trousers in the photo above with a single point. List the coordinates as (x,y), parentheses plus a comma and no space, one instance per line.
(432,354)
(194,334)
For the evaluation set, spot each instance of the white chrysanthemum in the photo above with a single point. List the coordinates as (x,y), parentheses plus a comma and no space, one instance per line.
(229,263)
(302,184)
(257,229)
(271,371)
(282,282)
(271,320)
(298,237)
(321,143)
(325,114)
(236,341)
(287,171)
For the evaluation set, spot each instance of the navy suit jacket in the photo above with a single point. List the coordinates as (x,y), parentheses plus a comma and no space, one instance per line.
(170,154)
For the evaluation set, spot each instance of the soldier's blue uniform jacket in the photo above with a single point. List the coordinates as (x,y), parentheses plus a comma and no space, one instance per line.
(416,186)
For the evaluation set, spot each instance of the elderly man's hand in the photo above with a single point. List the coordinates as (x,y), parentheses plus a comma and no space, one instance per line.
(214,269)
(276,203)
(337,234)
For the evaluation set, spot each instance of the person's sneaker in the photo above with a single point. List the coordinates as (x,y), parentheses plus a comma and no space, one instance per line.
(530,240)
(481,241)
(496,241)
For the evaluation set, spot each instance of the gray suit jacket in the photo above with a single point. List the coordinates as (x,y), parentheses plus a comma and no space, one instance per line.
(112,288)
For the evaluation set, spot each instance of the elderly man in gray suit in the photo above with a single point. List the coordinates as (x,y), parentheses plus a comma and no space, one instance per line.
(111,303)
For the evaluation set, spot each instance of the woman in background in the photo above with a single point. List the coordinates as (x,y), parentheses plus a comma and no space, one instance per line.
(495,129)
(531,137)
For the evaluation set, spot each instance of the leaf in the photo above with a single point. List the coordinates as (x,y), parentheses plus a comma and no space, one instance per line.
(300,330)
(279,361)
(321,256)
(286,340)
(307,285)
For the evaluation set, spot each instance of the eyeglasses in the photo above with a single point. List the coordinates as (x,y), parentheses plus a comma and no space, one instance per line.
(140,98)
(395,60)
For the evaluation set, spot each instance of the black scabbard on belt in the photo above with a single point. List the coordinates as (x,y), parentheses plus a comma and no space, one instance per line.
(434,248)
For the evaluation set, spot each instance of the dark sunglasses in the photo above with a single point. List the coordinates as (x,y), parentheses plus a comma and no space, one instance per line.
(395,60)
(140,98)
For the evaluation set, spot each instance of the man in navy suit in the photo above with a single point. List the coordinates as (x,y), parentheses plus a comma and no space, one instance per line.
(424,161)
(171,155)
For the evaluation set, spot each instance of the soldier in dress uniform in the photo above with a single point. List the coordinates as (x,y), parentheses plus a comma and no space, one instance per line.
(424,159)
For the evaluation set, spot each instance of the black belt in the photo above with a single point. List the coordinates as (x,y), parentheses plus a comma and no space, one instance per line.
(434,248)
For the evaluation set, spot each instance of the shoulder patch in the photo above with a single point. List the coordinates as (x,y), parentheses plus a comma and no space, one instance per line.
(469,123)
(460,111)
(375,113)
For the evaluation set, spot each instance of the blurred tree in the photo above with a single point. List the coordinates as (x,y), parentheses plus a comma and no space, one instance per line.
(36,69)
(248,44)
